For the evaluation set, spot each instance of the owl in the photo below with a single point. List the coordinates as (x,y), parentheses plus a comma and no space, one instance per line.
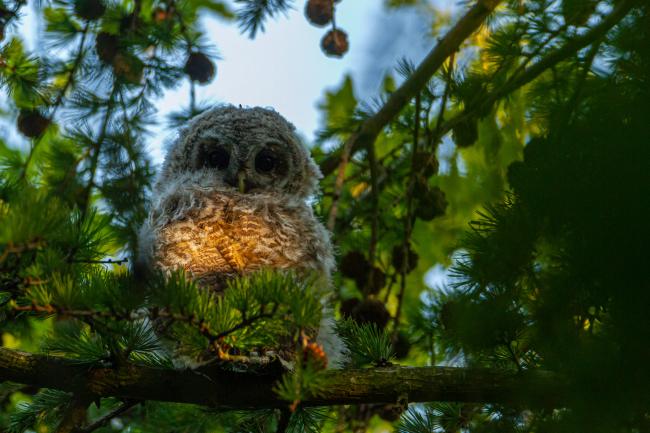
(232,198)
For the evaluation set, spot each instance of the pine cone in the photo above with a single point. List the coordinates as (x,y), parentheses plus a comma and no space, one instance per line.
(354,265)
(466,132)
(319,12)
(371,311)
(398,258)
(335,43)
(431,205)
(401,345)
(32,123)
(426,164)
(390,412)
(347,307)
(107,47)
(129,23)
(199,68)
(89,10)
(128,67)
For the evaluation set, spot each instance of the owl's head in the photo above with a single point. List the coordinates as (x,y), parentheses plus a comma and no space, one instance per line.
(250,150)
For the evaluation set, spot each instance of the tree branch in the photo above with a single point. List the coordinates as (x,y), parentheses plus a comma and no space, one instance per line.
(447,45)
(548,62)
(75,415)
(338,184)
(526,76)
(216,387)
(94,160)
(61,95)
(126,406)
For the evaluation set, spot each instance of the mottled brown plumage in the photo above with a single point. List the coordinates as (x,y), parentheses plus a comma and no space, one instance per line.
(232,199)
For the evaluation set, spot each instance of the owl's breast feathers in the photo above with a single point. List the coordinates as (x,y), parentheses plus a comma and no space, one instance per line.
(218,235)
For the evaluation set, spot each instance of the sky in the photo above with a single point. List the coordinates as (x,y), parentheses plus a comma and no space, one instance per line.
(284,68)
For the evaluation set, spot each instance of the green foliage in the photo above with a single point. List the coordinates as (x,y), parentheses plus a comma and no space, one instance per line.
(253,312)
(253,13)
(46,409)
(531,208)
(308,420)
(365,343)
(152,417)
(22,76)
(552,276)
(305,381)
(339,107)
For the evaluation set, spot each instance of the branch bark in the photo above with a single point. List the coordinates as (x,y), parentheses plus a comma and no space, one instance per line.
(447,45)
(215,387)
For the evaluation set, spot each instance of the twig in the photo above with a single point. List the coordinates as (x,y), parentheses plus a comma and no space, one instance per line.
(60,96)
(283,420)
(152,314)
(75,414)
(435,138)
(107,261)
(374,225)
(69,173)
(575,98)
(11,248)
(389,287)
(97,148)
(448,44)
(247,322)
(338,184)
(408,222)
(64,312)
(136,12)
(530,56)
(550,60)
(127,405)
(192,97)
(532,72)
(514,356)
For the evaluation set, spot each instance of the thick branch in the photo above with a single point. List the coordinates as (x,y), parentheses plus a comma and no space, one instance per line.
(228,389)
(371,127)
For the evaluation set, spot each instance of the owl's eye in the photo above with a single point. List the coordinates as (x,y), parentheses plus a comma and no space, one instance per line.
(265,161)
(218,158)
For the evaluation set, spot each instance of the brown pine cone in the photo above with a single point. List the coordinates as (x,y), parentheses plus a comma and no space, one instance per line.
(319,12)
(335,43)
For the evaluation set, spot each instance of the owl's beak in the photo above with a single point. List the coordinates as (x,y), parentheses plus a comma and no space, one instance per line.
(238,181)
(241,180)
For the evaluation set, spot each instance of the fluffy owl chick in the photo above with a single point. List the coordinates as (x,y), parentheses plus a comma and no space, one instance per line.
(232,199)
